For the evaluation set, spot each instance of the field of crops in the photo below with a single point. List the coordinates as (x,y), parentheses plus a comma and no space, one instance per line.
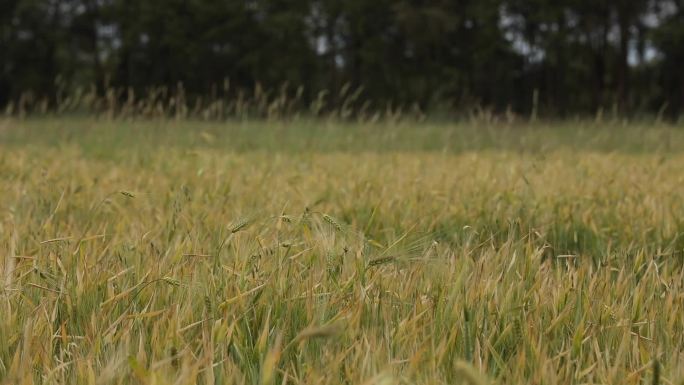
(311,252)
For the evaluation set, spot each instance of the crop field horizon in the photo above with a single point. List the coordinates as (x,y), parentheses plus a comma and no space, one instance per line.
(322,252)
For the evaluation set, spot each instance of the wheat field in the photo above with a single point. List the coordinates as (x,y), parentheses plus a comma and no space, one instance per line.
(315,252)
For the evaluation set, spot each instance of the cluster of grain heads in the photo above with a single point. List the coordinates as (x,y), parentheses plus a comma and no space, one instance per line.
(222,103)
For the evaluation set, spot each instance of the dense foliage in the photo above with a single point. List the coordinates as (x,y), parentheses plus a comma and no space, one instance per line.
(554,57)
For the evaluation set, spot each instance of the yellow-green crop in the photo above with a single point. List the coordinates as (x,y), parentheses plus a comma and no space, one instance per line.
(320,253)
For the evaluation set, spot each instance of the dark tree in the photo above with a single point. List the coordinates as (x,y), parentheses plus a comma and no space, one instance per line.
(559,57)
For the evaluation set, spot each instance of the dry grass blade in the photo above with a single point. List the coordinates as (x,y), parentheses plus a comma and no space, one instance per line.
(318,332)
(469,374)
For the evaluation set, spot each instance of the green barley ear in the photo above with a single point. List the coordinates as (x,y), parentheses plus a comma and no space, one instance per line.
(208,304)
(380,261)
(332,222)
(334,266)
(239,226)
(656,372)
(171,281)
(517,330)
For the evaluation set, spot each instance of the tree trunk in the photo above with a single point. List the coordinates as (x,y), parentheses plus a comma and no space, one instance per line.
(623,65)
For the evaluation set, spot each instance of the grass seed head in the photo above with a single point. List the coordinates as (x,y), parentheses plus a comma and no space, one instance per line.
(239,226)
(332,222)
(171,281)
(380,261)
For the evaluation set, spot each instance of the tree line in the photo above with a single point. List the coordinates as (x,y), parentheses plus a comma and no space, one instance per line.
(555,57)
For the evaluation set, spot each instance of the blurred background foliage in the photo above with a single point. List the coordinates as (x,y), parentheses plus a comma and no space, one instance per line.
(556,58)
